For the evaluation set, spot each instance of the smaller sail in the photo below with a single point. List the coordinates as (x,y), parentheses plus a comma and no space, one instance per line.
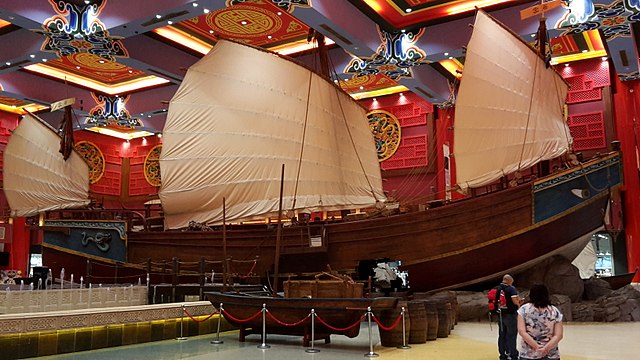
(509,112)
(36,176)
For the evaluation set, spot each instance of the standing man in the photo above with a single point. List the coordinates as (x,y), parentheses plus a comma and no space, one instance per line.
(509,321)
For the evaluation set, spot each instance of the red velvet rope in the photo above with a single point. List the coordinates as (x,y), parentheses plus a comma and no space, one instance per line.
(390,327)
(357,323)
(199,321)
(250,270)
(226,314)
(286,324)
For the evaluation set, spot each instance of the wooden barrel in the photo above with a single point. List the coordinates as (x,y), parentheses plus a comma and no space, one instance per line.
(443,318)
(418,315)
(393,337)
(432,320)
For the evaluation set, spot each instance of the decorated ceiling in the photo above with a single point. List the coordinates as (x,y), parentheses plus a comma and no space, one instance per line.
(123,60)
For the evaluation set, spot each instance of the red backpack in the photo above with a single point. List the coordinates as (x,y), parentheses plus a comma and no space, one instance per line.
(497,300)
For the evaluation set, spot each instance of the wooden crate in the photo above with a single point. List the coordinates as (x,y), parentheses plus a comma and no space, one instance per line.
(336,287)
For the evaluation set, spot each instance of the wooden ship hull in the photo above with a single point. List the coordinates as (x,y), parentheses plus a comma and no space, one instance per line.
(341,314)
(445,247)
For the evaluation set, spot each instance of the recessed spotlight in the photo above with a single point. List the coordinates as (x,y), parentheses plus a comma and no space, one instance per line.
(44,60)
(169,22)
(78,67)
(408,10)
(604,58)
(130,71)
(566,65)
(361,87)
(585,51)
(533,35)
(206,11)
(210,31)
(243,22)
(32,56)
(403,31)
(159,135)
(148,116)
(446,54)
(87,2)
(158,16)
(374,99)
(450,57)
(401,94)
(279,13)
(195,4)
(8,63)
(269,36)
(101,61)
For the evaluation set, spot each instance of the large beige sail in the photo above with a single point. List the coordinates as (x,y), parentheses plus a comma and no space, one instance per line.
(509,111)
(36,177)
(238,116)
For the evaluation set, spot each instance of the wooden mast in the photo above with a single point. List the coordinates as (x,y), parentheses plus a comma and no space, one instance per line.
(276,267)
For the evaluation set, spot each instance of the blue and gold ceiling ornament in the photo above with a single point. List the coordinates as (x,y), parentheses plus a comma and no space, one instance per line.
(286,5)
(111,111)
(612,20)
(76,29)
(395,56)
(386,133)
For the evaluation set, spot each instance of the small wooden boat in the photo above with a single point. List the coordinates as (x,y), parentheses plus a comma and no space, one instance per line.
(618,281)
(339,313)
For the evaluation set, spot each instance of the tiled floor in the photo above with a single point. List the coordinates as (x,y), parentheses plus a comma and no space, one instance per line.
(474,341)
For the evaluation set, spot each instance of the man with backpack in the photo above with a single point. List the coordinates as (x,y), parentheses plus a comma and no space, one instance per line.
(508,318)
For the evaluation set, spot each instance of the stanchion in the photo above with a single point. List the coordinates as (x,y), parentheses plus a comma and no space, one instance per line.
(182,324)
(264,328)
(313,333)
(404,333)
(370,353)
(217,341)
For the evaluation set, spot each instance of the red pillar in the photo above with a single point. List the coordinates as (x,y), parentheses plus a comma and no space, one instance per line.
(20,247)
(626,104)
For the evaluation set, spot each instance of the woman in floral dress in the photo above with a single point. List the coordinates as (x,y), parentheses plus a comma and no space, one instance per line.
(539,326)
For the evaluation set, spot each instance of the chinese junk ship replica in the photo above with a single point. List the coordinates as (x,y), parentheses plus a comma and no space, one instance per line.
(276,138)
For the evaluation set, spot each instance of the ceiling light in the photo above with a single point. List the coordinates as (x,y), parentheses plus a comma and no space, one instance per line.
(159,135)
(361,87)
(210,31)
(44,60)
(130,71)
(604,58)
(169,22)
(446,54)
(408,10)
(584,51)
(401,94)
(78,67)
(450,57)
(101,61)
(565,65)
(279,13)
(87,2)
(195,4)
(8,63)
(374,99)
(206,11)
(158,16)
(32,56)
(269,37)
(533,35)
(403,31)
(243,22)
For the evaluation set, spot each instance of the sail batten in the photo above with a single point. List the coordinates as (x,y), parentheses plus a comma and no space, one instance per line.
(36,176)
(239,114)
(509,113)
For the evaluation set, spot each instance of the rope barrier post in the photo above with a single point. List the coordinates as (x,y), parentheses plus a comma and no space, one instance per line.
(181,324)
(217,341)
(404,333)
(264,328)
(370,353)
(313,333)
